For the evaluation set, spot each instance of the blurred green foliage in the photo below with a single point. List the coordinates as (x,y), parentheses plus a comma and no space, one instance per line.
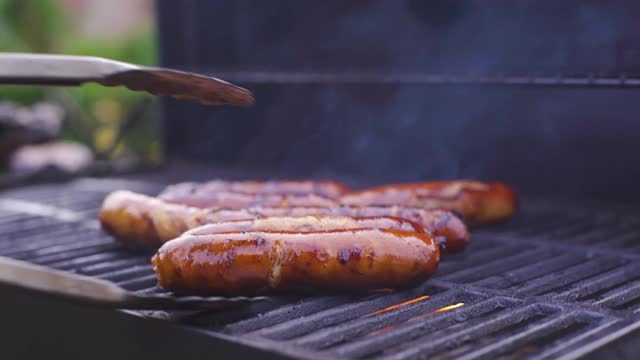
(95,114)
(28,26)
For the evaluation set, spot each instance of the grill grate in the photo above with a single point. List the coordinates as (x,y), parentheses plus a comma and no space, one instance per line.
(544,285)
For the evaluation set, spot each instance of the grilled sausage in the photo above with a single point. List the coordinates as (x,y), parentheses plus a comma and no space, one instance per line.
(236,200)
(181,193)
(479,203)
(252,262)
(141,220)
(306,224)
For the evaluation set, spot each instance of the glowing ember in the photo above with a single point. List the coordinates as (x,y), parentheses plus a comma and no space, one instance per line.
(448,307)
(393,307)
(442,309)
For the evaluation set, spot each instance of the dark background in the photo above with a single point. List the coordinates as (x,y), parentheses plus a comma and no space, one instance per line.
(568,141)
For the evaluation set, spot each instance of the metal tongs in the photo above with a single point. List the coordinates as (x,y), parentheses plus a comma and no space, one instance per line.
(87,290)
(43,69)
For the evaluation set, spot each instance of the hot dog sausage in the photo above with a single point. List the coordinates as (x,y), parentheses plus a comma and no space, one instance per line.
(307,224)
(479,203)
(236,200)
(251,262)
(141,220)
(188,190)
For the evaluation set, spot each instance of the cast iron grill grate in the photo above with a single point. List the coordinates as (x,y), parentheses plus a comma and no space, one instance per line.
(548,284)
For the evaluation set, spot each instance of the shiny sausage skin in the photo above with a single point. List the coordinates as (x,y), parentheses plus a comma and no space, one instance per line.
(141,220)
(252,262)
(188,190)
(479,203)
(144,221)
(236,200)
(314,223)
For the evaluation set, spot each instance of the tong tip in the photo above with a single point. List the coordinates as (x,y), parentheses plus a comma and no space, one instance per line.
(182,85)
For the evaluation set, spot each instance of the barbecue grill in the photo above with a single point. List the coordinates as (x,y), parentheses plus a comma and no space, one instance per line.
(544,101)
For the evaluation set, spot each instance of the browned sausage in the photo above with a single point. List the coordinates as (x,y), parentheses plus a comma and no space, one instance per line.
(479,203)
(142,220)
(307,224)
(236,200)
(193,191)
(249,262)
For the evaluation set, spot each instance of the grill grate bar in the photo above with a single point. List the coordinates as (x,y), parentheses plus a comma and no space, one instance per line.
(498,265)
(340,314)
(533,271)
(443,341)
(139,283)
(535,228)
(72,254)
(57,236)
(282,314)
(127,273)
(606,235)
(569,232)
(603,284)
(622,299)
(330,336)
(472,259)
(580,339)
(480,249)
(74,263)
(45,210)
(544,329)
(217,320)
(556,282)
(39,228)
(376,342)
(57,248)
(114,265)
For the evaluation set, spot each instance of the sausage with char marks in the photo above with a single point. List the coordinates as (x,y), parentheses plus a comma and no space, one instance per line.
(479,203)
(251,262)
(141,220)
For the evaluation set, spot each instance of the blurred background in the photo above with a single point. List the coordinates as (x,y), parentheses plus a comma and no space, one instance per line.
(78,129)
(540,95)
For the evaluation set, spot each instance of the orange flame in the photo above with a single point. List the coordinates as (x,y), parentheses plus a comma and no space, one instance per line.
(393,307)
(390,327)
(448,307)
(442,309)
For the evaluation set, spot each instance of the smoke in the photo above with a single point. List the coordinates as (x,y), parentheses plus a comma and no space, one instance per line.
(539,139)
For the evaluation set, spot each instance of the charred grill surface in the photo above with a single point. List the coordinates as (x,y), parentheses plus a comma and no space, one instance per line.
(553,281)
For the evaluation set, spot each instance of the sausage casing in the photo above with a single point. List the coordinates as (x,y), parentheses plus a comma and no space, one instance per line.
(192,190)
(479,203)
(306,224)
(237,200)
(251,262)
(142,220)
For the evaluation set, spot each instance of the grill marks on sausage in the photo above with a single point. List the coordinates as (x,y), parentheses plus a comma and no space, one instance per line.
(345,255)
(250,261)
(276,258)
(479,203)
(326,188)
(140,220)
